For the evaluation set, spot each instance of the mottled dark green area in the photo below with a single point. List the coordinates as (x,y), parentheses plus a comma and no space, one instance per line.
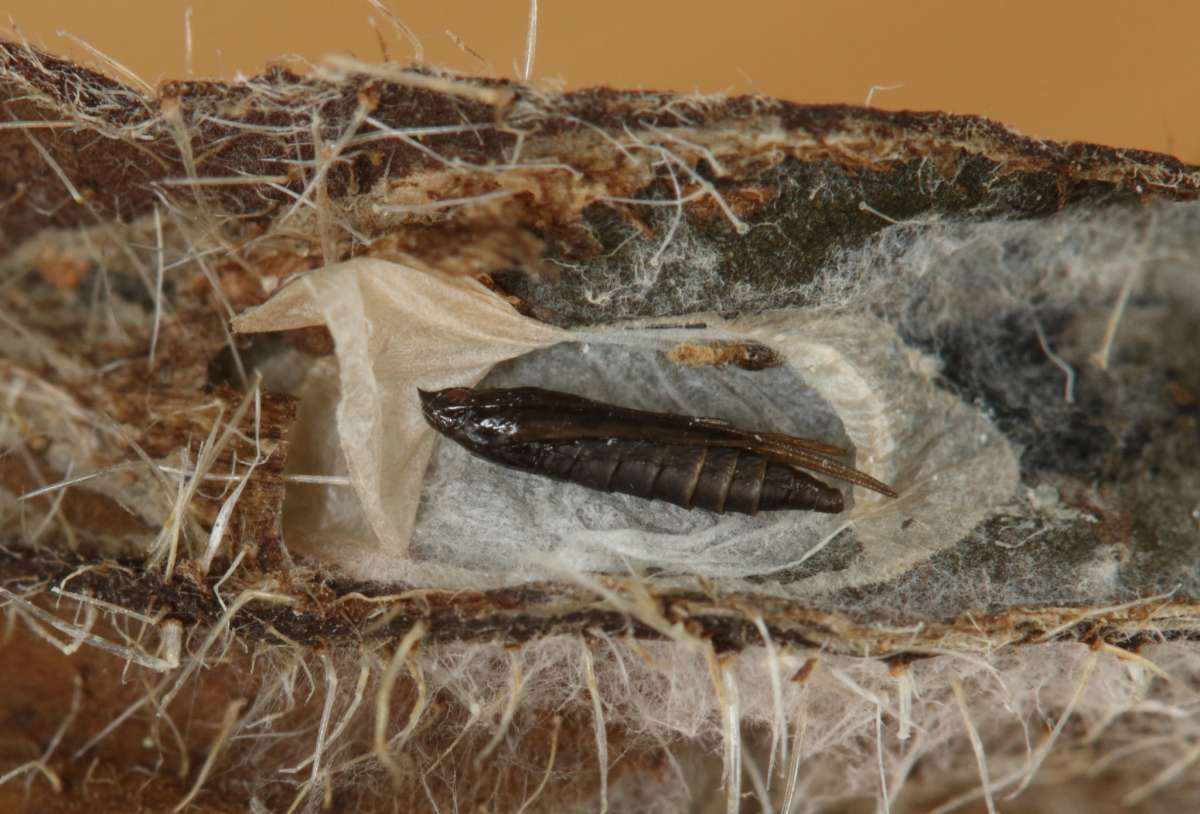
(819,209)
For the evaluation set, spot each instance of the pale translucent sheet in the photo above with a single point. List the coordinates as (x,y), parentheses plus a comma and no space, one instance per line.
(396,329)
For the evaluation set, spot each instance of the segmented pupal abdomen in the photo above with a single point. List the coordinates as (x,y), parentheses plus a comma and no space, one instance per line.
(718,479)
(690,461)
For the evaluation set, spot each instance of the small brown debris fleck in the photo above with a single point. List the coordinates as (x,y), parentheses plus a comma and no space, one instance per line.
(805,672)
(62,268)
(746,355)
(519,305)
(1180,394)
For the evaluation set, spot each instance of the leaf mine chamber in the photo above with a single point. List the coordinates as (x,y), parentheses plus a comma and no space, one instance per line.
(608,531)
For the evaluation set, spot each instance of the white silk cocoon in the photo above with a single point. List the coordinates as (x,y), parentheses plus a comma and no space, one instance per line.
(465,520)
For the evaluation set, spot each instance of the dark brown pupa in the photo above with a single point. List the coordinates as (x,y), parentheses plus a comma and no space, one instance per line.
(692,462)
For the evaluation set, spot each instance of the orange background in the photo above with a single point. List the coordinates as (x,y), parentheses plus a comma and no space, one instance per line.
(1119,73)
